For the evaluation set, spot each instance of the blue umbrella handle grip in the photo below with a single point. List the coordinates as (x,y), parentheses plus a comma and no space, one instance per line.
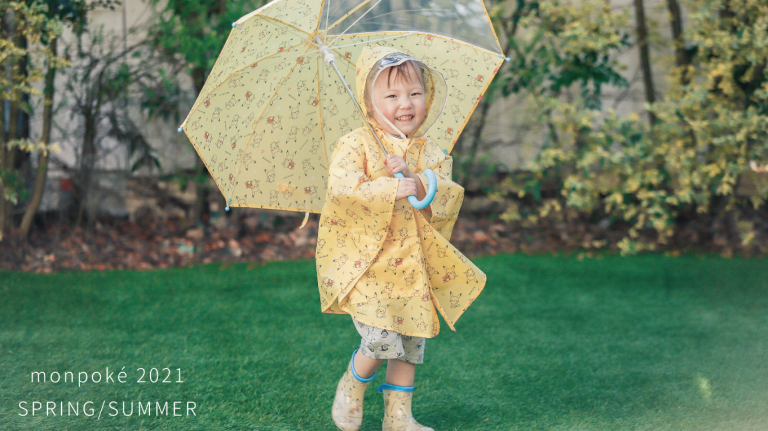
(431,190)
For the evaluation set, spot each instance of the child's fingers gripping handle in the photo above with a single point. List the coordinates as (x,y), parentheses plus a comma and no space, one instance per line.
(431,190)
(405,188)
(394,163)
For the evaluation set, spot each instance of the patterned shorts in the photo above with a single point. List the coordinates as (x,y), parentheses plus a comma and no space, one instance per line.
(384,344)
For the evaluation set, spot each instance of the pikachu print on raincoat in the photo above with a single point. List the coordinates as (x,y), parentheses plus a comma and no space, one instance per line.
(378,259)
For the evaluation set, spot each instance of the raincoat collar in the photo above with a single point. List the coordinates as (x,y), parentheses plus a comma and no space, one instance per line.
(371,62)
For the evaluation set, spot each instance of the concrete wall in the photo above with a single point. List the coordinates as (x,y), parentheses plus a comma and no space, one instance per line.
(110,178)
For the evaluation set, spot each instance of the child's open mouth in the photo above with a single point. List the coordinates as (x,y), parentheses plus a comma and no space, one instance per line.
(405,118)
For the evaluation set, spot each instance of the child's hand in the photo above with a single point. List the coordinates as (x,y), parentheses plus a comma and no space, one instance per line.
(405,187)
(395,163)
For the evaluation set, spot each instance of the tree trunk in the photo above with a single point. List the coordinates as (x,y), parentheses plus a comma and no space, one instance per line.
(677,32)
(20,122)
(201,187)
(3,34)
(20,156)
(2,163)
(88,156)
(476,133)
(645,60)
(87,159)
(6,154)
(681,57)
(8,162)
(42,162)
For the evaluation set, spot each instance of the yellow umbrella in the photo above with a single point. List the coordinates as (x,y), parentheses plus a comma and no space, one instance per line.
(275,103)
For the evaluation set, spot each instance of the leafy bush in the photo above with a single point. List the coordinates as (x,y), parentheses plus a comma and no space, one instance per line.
(711,125)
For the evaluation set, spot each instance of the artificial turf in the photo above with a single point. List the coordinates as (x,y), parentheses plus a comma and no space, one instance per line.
(553,343)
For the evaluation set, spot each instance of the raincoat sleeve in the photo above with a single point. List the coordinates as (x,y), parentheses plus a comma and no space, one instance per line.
(449,196)
(352,192)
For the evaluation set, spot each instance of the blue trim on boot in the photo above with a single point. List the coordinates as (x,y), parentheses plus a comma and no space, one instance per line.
(389,387)
(354,373)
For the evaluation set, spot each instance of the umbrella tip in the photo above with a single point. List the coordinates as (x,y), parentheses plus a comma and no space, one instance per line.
(179,129)
(229,202)
(505,58)
(234,24)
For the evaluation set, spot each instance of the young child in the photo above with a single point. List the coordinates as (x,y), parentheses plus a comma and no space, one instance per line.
(387,265)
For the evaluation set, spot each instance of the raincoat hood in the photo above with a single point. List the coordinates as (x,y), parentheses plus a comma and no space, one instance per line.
(372,61)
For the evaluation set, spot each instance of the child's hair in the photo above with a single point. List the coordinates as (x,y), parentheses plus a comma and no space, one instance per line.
(404,73)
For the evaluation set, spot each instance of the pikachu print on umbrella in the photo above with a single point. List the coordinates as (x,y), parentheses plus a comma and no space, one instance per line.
(296,181)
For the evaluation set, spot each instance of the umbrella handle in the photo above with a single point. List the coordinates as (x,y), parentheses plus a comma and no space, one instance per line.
(431,190)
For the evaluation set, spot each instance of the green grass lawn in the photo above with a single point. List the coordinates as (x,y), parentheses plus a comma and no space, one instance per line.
(553,343)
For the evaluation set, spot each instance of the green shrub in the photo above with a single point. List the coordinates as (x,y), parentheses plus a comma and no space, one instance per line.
(710,126)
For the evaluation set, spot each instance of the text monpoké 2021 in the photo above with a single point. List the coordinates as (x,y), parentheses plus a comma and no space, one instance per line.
(142,375)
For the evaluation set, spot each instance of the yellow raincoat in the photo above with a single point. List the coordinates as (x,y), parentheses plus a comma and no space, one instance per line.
(381,260)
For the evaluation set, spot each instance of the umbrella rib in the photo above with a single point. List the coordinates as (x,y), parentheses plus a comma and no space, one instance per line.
(368,20)
(327,14)
(338,21)
(403,27)
(488,17)
(346,60)
(410,10)
(370,41)
(266,109)
(274,62)
(258,11)
(358,19)
(303,34)
(441,36)
(320,115)
(323,4)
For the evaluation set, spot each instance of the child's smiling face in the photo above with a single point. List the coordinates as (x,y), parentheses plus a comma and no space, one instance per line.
(399,95)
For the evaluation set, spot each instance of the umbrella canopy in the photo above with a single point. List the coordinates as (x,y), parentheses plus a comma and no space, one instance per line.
(272,110)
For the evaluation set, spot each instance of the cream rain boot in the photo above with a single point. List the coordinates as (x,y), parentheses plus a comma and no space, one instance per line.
(347,409)
(397,409)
